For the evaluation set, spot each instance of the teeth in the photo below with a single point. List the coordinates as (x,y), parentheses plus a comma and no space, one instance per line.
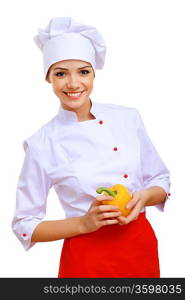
(74,94)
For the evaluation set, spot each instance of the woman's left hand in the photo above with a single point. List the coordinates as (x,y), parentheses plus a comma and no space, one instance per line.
(137,202)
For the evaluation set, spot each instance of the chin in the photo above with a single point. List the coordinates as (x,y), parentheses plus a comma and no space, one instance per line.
(74,102)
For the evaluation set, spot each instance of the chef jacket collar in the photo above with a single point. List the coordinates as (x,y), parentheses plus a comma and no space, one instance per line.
(68,115)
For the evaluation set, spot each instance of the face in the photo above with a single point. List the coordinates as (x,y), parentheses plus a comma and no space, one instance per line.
(72,82)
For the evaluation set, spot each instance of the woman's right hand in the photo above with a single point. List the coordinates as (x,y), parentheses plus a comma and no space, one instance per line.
(100,215)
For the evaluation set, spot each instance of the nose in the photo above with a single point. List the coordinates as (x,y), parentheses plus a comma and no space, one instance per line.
(73,82)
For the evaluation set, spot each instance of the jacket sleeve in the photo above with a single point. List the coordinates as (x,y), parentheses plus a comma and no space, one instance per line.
(31,196)
(154,171)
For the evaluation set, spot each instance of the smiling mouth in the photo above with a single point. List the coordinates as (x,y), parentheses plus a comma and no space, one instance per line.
(73,95)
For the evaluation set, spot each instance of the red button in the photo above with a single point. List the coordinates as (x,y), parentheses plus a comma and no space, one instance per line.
(125,175)
(24,234)
(115,148)
(169,194)
(100,122)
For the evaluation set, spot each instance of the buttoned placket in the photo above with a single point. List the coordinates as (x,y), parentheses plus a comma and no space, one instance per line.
(71,116)
(101,122)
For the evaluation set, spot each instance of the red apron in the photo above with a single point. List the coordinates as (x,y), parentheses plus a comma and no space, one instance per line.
(120,251)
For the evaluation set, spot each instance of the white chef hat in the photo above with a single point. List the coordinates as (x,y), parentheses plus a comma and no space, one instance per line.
(64,38)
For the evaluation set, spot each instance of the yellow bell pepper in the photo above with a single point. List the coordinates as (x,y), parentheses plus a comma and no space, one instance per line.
(121,197)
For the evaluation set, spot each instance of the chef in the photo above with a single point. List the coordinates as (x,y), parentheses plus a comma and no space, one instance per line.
(88,145)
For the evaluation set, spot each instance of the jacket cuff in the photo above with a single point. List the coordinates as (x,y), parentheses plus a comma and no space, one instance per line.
(166,187)
(23,230)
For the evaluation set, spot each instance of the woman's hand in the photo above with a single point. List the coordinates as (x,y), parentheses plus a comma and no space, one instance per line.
(137,202)
(100,215)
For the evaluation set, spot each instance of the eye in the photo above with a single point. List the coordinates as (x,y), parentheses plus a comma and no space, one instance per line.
(60,74)
(84,72)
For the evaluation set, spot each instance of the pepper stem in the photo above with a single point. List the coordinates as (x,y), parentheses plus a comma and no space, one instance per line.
(103,189)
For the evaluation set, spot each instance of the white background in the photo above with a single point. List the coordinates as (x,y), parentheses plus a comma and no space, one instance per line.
(144,68)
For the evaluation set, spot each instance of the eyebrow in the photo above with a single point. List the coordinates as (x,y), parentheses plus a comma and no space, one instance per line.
(68,69)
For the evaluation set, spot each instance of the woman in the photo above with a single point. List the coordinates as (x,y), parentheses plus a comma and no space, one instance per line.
(85,146)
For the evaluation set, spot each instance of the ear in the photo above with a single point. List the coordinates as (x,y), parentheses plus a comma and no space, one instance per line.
(48,78)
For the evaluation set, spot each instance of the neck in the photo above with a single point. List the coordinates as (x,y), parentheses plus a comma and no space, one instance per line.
(83,113)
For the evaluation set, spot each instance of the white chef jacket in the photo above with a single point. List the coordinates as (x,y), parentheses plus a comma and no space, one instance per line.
(76,157)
